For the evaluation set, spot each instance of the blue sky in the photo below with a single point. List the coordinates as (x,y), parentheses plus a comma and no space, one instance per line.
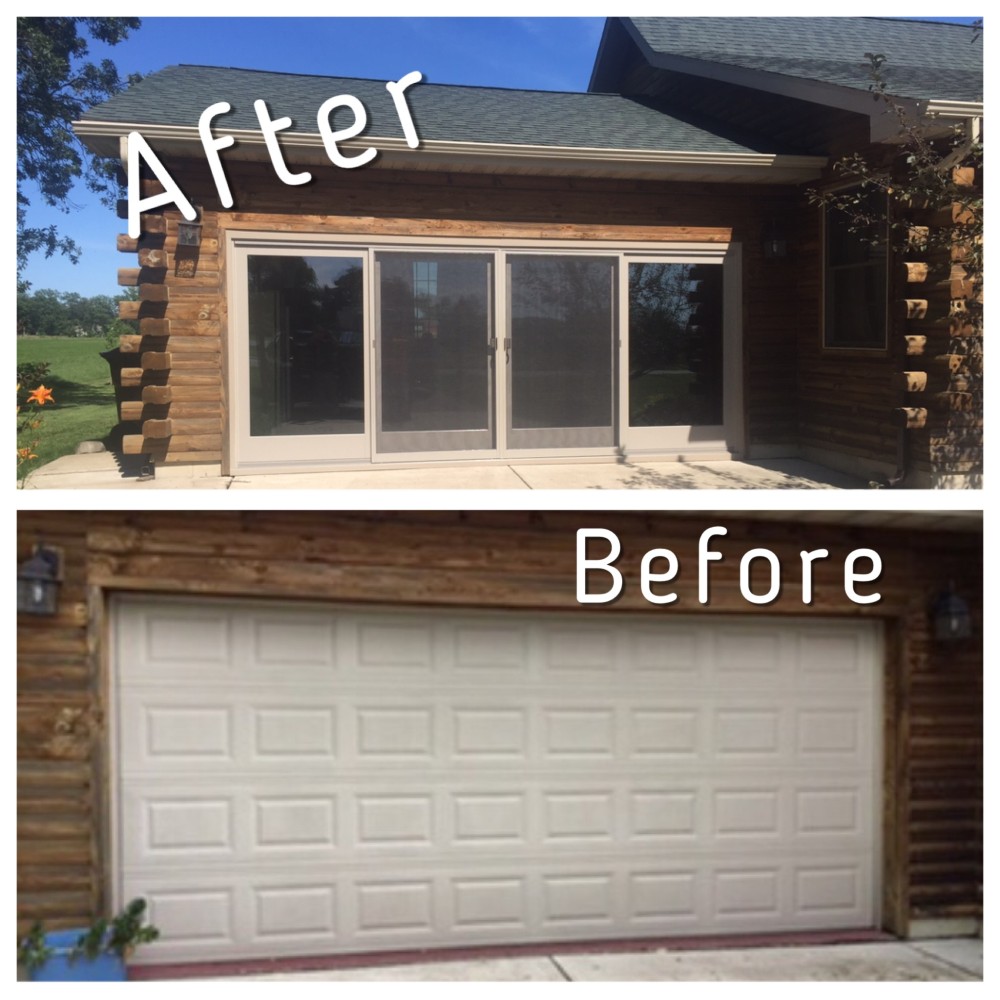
(534,53)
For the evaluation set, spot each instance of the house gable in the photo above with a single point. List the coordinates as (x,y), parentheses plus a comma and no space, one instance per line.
(795,78)
(675,166)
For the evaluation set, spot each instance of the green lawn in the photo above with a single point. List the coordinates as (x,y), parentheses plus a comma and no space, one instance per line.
(84,399)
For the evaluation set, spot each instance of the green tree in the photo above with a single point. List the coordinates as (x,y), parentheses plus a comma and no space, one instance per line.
(927,167)
(55,85)
(49,313)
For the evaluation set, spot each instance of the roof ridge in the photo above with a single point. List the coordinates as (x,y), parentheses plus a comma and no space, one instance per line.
(368,79)
(918,20)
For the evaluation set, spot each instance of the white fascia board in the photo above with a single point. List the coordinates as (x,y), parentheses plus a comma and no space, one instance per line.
(105,138)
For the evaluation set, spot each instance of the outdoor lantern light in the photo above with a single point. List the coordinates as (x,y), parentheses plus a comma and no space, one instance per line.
(189,233)
(951,615)
(774,241)
(38,582)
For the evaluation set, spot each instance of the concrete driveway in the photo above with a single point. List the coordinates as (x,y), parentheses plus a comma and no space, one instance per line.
(107,470)
(954,959)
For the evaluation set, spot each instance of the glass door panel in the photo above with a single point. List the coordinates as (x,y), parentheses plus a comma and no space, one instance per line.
(306,345)
(675,356)
(561,316)
(434,316)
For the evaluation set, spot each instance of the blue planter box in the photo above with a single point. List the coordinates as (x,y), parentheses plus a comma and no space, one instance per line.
(59,968)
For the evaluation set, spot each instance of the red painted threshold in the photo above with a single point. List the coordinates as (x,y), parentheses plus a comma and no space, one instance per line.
(257,967)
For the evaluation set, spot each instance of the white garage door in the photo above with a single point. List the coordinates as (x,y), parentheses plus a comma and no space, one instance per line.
(299,781)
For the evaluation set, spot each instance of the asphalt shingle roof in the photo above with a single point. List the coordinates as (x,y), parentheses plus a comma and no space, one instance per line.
(177,95)
(924,60)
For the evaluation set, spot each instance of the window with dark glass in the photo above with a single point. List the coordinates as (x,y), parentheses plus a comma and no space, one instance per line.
(306,345)
(675,344)
(855,253)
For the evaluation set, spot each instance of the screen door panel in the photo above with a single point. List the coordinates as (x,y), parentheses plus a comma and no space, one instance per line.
(435,355)
(561,317)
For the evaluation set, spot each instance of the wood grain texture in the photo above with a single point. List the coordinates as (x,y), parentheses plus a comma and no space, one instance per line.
(932,819)
(420,204)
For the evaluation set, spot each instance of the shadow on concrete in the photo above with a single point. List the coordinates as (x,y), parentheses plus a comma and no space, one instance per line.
(700,477)
(131,466)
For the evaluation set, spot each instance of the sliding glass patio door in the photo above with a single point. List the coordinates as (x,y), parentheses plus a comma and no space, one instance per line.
(435,371)
(352,352)
(561,318)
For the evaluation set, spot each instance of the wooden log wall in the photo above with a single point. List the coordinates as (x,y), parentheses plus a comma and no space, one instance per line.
(845,397)
(942,330)
(933,692)
(928,381)
(175,387)
(172,389)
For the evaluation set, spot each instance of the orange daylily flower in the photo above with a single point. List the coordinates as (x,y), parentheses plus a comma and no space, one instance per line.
(41,396)
(25,454)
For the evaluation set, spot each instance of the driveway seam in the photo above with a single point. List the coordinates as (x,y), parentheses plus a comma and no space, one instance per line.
(943,961)
(562,972)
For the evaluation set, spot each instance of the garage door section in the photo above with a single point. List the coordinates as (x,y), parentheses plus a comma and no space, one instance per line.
(302,781)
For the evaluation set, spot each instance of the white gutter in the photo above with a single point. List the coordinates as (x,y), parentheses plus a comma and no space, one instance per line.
(109,134)
(955,109)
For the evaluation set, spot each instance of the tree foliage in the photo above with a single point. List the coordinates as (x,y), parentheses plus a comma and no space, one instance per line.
(930,168)
(49,313)
(55,85)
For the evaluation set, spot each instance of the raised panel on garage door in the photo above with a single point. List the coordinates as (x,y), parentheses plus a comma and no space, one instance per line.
(297,780)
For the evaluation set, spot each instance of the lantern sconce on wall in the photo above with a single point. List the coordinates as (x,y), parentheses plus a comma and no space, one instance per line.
(189,233)
(950,616)
(774,242)
(38,582)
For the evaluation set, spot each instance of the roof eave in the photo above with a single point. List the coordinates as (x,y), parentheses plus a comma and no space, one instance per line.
(884,126)
(104,138)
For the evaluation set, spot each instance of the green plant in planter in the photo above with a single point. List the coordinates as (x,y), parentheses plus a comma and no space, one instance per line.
(122,934)
(34,951)
(95,953)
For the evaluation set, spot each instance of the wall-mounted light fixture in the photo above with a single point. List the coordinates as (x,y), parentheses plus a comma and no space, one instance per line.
(38,582)
(188,233)
(951,616)
(774,242)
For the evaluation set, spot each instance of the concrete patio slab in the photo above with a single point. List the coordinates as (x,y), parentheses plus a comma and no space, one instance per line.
(773,475)
(107,470)
(486,477)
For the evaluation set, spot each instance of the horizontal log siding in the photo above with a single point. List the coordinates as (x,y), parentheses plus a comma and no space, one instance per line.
(845,398)
(519,560)
(853,405)
(59,722)
(183,297)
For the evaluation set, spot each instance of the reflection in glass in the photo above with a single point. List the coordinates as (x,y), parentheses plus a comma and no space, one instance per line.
(306,345)
(675,344)
(855,280)
(562,336)
(434,316)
